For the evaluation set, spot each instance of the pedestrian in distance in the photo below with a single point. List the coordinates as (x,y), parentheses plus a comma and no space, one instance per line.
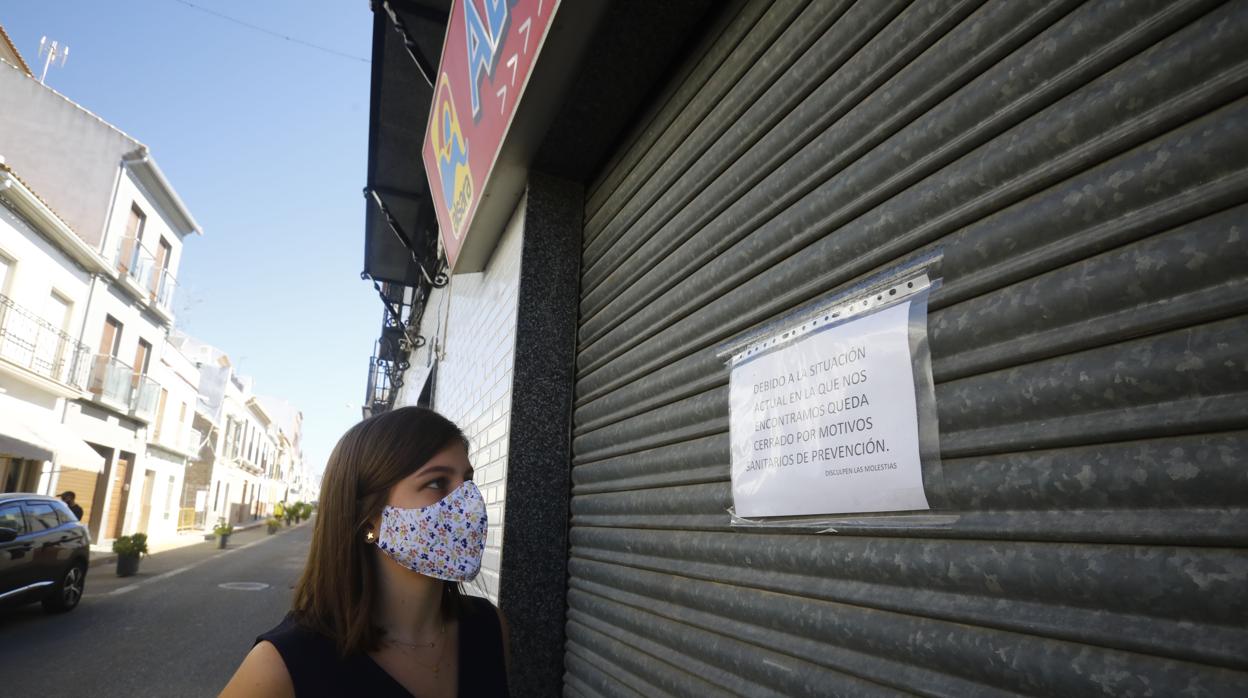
(379,611)
(68,497)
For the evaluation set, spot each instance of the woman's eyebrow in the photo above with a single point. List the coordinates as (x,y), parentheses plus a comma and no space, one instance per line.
(430,469)
(442,469)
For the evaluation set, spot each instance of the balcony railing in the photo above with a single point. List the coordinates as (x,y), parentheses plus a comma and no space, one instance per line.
(178,437)
(144,396)
(28,340)
(111,381)
(139,264)
(134,260)
(164,284)
(379,396)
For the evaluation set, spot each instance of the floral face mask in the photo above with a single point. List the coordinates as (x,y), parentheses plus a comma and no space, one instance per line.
(443,540)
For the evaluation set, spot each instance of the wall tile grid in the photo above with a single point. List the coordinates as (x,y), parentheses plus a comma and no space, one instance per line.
(475,329)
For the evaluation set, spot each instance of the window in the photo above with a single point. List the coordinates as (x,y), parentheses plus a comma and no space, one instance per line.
(6,273)
(11,517)
(60,311)
(160,414)
(110,340)
(51,348)
(63,514)
(169,496)
(42,517)
(163,252)
(134,226)
(128,251)
(143,357)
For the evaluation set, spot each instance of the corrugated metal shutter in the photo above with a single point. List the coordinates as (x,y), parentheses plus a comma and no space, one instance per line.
(1084,168)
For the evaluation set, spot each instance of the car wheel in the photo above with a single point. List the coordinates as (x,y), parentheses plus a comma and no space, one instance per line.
(67,592)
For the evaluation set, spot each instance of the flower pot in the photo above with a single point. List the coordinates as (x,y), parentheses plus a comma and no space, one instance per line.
(272,529)
(222,541)
(127,565)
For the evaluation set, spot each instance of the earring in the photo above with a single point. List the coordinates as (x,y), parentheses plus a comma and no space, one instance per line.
(369,536)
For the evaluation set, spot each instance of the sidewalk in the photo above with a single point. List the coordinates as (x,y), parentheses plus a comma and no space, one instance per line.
(102,554)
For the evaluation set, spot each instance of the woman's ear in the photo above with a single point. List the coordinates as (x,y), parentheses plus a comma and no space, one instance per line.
(372,529)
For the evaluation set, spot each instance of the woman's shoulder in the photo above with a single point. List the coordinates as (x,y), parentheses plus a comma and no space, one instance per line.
(291,633)
(310,659)
(262,673)
(304,651)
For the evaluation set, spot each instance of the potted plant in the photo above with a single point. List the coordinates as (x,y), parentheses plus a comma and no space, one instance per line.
(130,549)
(222,531)
(273,524)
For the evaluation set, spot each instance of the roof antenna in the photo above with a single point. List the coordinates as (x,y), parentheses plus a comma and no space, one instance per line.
(54,51)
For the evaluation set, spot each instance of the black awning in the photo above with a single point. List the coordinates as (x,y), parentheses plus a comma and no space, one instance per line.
(401,233)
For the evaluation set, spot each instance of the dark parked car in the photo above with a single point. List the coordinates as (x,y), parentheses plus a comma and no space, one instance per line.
(44,551)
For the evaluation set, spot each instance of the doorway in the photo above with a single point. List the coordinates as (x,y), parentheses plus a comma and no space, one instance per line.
(95,519)
(121,493)
(145,501)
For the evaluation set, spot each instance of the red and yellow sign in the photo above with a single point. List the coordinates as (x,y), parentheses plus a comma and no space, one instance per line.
(488,55)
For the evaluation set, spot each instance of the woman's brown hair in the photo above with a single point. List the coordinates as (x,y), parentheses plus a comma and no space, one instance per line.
(336,593)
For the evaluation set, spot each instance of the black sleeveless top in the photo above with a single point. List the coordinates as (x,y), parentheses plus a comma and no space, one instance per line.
(317,670)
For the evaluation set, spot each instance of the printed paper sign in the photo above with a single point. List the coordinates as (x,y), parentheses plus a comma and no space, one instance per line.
(827,424)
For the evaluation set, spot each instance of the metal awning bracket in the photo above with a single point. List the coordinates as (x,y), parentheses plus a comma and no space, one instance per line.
(423,65)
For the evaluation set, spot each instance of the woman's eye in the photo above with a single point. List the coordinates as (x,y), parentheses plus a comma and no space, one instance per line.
(438,484)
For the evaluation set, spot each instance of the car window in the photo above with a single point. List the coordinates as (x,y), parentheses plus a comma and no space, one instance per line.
(42,516)
(11,517)
(63,512)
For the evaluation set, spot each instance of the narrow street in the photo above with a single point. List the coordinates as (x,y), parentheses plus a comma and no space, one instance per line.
(171,630)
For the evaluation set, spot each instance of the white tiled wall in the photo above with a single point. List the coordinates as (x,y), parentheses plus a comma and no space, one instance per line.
(471,327)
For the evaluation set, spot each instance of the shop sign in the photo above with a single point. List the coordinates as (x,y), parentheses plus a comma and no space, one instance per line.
(487,57)
(827,423)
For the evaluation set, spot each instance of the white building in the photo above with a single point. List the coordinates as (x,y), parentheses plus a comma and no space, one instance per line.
(287,480)
(122,225)
(249,455)
(45,273)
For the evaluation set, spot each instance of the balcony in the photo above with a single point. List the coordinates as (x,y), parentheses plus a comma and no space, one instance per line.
(144,275)
(134,261)
(36,345)
(144,397)
(112,382)
(164,285)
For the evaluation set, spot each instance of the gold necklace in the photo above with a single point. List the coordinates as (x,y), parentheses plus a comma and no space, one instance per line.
(437,665)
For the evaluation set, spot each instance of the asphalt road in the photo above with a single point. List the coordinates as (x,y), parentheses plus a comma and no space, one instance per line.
(171,630)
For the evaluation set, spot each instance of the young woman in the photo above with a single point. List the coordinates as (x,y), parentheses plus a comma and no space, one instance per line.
(378,611)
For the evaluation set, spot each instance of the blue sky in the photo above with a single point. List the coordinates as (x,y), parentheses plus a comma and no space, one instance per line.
(265,140)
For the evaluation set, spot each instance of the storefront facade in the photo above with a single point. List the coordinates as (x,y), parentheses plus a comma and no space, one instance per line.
(1074,174)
